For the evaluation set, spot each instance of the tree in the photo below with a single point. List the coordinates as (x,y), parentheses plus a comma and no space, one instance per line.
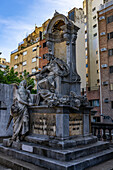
(9,77)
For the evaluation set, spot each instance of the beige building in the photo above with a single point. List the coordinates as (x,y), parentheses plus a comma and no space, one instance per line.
(3,64)
(27,57)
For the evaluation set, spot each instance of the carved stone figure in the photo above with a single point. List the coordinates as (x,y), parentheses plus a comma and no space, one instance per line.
(19,113)
(47,79)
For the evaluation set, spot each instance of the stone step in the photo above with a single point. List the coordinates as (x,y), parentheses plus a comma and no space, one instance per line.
(16,164)
(79,164)
(56,143)
(63,155)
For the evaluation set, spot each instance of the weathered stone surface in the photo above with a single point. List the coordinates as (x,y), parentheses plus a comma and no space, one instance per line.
(6,100)
(79,163)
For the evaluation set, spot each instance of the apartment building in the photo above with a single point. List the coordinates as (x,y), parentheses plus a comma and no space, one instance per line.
(3,64)
(30,52)
(92,52)
(105,25)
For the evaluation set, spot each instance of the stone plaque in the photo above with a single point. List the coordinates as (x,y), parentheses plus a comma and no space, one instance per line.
(75,124)
(27,148)
(43,124)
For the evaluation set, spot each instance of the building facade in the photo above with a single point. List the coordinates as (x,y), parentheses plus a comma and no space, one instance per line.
(27,56)
(105,22)
(3,64)
(92,53)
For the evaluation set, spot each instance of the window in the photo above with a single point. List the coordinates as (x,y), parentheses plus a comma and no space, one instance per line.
(94,26)
(98,81)
(24,63)
(85,40)
(34,49)
(94,17)
(95,34)
(43,56)
(111,69)
(110,19)
(16,57)
(33,59)
(110,52)
(110,35)
(33,70)
(86,57)
(94,103)
(43,66)
(25,52)
(85,48)
(86,75)
(86,65)
(111,86)
(44,44)
(15,66)
(40,35)
(96,52)
(94,9)
(111,104)
(71,15)
(98,71)
(85,31)
(96,61)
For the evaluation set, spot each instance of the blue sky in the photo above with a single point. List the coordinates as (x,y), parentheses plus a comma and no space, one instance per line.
(18,18)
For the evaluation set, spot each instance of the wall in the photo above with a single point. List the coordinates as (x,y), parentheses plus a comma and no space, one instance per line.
(6,100)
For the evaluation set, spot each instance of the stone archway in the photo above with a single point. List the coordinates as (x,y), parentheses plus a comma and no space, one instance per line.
(62,30)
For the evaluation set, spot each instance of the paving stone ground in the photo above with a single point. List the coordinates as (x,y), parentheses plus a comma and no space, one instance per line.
(108,165)
(4,168)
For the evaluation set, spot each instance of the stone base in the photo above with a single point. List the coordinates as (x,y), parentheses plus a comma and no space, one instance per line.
(79,158)
(59,143)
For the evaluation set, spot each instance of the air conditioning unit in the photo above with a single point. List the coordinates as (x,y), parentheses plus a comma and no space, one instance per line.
(105,83)
(104,65)
(103,49)
(102,17)
(106,100)
(102,33)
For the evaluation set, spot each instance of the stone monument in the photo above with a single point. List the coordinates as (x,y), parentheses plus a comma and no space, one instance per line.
(54,132)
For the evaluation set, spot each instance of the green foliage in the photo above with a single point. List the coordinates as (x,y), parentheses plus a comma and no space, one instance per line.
(9,77)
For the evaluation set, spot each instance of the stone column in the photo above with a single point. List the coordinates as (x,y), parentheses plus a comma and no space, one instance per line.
(62,125)
(86,122)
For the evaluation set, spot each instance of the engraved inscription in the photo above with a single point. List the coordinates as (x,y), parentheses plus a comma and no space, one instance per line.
(44,124)
(75,124)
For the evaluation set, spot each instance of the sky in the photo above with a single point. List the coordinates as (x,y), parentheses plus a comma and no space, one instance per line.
(18,19)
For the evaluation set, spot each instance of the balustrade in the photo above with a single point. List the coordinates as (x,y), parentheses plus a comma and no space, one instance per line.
(103,131)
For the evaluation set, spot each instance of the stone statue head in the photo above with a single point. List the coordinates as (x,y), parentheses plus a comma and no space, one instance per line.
(23,83)
(49,57)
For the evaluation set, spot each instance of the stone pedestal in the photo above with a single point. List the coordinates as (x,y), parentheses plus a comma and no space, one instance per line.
(61,123)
